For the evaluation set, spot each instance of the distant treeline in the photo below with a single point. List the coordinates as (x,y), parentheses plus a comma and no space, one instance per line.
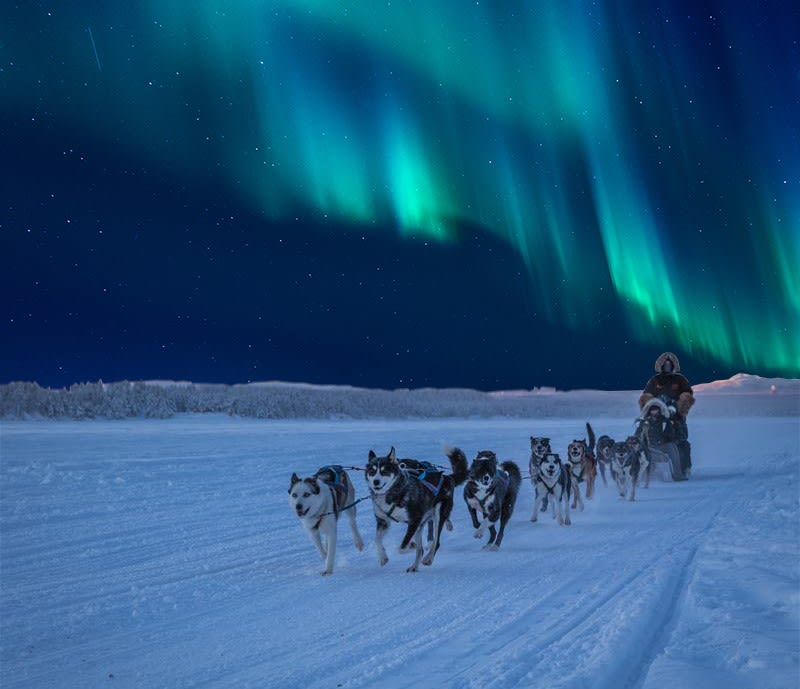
(158,400)
(280,401)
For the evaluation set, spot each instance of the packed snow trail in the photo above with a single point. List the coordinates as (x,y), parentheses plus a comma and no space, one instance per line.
(164,554)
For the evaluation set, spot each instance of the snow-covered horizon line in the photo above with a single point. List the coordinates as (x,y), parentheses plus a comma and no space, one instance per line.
(284,400)
(739,382)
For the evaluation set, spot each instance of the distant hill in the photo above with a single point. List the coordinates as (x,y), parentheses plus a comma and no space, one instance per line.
(750,384)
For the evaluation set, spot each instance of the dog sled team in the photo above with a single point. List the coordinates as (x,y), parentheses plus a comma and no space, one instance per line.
(420,495)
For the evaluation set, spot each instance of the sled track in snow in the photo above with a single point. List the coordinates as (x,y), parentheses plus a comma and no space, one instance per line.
(194,573)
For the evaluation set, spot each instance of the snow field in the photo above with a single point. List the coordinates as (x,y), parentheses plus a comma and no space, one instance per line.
(164,554)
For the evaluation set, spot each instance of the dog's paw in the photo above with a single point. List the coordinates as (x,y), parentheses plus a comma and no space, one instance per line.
(449,525)
(359,545)
(580,507)
(491,546)
(427,561)
(412,568)
(561,521)
(567,522)
(478,533)
(534,518)
(326,572)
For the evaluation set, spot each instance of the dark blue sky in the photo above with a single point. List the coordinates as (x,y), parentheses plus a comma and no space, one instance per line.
(282,193)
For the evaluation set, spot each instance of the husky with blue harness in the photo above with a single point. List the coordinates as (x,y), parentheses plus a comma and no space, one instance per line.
(318,501)
(407,492)
(424,471)
(491,492)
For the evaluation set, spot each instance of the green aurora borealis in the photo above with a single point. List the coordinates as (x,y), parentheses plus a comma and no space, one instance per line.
(639,157)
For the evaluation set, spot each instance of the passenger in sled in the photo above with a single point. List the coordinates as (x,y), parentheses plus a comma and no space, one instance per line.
(672,389)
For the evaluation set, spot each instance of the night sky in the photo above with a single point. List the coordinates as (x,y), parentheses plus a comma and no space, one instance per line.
(399,194)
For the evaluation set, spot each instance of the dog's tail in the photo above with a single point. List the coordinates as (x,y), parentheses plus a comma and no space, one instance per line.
(591,437)
(458,460)
(513,472)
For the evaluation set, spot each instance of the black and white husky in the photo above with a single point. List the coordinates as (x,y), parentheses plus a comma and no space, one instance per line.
(402,495)
(491,493)
(625,469)
(540,446)
(556,483)
(421,469)
(317,501)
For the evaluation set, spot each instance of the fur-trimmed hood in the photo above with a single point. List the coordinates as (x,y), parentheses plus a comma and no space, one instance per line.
(655,402)
(662,360)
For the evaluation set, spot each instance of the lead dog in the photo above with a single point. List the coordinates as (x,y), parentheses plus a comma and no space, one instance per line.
(583,465)
(317,501)
(556,483)
(540,446)
(491,492)
(403,496)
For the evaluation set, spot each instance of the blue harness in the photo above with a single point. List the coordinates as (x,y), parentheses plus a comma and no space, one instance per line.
(338,484)
(432,488)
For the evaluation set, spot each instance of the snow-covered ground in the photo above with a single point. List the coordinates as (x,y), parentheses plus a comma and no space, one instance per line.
(163,553)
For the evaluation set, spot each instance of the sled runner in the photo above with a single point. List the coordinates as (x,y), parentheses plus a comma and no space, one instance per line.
(666,462)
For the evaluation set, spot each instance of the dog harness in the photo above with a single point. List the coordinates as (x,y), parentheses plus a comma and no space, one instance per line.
(337,485)
(578,477)
(433,489)
(422,472)
(550,489)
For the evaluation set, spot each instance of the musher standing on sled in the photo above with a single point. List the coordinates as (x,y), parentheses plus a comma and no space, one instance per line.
(674,389)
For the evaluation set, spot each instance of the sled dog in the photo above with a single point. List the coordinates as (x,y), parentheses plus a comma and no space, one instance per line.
(405,496)
(583,465)
(639,447)
(556,483)
(605,451)
(318,501)
(491,493)
(540,446)
(420,469)
(625,469)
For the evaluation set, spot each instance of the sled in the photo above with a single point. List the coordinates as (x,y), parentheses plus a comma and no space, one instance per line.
(666,462)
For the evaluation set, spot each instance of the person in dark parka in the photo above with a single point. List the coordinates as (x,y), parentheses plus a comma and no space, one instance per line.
(673,388)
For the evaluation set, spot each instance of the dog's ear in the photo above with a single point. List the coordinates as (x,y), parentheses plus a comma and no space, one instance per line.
(371,455)
(392,454)
(313,484)
(295,479)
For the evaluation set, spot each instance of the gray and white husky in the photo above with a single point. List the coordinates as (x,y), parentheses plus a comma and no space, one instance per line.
(317,501)
(625,469)
(540,446)
(605,452)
